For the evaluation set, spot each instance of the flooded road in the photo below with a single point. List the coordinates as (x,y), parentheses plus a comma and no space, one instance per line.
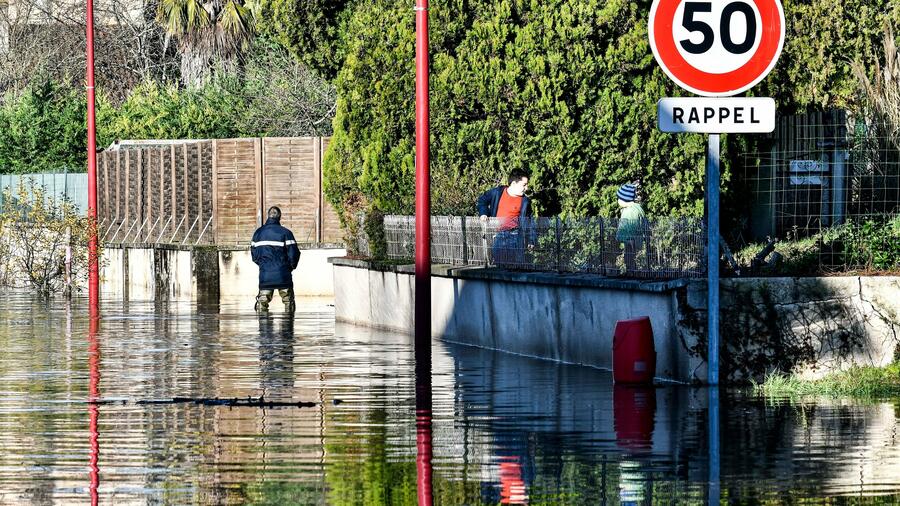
(504,429)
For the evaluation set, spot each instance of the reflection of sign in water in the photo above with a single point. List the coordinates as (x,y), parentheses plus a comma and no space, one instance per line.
(807,172)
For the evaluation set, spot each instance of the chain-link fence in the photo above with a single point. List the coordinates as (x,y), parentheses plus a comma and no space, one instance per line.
(828,193)
(658,249)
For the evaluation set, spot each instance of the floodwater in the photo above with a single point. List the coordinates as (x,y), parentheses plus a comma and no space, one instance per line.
(502,428)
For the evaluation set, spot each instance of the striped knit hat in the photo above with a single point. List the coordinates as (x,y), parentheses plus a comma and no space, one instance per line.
(627,192)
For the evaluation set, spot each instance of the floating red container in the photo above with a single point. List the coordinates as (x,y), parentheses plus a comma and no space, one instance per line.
(634,355)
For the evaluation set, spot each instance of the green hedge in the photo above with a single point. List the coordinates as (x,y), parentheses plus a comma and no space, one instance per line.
(44,129)
(563,88)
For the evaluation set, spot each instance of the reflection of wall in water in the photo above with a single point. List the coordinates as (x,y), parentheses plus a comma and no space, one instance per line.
(543,412)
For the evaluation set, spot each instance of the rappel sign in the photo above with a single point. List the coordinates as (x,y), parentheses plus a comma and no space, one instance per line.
(716,49)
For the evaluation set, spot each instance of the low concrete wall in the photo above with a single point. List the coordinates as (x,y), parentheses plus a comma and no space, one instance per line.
(239,276)
(807,326)
(145,272)
(565,318)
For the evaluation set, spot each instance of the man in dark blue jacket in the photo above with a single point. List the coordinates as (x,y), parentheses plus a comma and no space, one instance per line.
(513,210)
(276,253)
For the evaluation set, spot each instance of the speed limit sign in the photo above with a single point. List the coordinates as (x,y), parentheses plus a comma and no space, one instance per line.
(716,48)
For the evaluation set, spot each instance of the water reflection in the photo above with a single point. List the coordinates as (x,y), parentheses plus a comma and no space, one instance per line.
(424,454)
(494,428)
(93,401)
(276,355)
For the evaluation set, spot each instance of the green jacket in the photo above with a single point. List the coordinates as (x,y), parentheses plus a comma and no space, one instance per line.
(633,225)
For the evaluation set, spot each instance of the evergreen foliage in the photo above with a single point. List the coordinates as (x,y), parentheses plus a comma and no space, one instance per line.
(564,89)
(823,38)
(313,30)
(157,111)
(44,129)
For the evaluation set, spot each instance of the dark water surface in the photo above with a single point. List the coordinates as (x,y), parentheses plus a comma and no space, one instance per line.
(504,428)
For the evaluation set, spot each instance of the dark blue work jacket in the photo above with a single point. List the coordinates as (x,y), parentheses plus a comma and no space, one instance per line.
(276,253)
(489,201)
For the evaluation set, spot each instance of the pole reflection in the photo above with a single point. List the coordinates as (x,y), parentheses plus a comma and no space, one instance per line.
(423,421)
(715,491)
(94,406)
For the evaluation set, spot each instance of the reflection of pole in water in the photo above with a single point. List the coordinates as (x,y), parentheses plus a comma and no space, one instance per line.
(94,407)
(423,423)
(713,411)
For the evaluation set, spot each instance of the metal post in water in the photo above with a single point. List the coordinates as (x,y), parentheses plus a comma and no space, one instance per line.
(93,264)
(423,197)
(423,263)
(712,258)
(715,489)
(94,409)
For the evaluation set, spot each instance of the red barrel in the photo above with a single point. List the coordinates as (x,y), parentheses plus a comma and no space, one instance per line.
(634,355)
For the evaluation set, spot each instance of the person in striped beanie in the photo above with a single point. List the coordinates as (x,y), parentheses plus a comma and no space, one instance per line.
(633,225)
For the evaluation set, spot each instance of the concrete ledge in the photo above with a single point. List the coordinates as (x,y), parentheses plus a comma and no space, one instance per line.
(563,318)
(808,326)
(203,273)
(534,278)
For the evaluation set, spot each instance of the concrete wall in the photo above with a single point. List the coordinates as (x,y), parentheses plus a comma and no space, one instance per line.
(113,273)
(569,320)
(806,326)
(202,273)
(313,277)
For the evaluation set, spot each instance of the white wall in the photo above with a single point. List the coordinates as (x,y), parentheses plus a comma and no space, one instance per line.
(239,276)
(572,324)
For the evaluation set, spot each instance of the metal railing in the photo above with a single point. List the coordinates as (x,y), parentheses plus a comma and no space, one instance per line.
(664,248)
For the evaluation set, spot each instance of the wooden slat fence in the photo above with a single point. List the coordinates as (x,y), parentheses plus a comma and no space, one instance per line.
(213,191)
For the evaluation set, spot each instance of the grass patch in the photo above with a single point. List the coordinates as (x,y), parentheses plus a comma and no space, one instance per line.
(862,382)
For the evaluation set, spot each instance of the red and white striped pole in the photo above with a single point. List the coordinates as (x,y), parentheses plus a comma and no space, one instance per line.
(93,264)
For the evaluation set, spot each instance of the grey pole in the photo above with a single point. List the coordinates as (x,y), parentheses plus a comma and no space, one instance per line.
(712,258)
(714,490)
(712,306)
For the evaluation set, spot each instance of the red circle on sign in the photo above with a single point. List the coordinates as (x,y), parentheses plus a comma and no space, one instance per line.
(662,41)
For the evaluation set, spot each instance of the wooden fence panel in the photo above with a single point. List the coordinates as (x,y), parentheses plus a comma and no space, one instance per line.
(289,172)
(215,192)
(206,197)
(237,190)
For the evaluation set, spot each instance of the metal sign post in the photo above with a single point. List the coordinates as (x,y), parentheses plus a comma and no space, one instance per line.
(423,264)
(716,49)
(93,260)
(712,258)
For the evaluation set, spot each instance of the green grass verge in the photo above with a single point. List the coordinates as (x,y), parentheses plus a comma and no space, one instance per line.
(863,382)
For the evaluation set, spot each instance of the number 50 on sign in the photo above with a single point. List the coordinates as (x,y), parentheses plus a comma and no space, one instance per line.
(716,48)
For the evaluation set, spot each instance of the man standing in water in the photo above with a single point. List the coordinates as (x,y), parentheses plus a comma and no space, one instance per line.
(276,253)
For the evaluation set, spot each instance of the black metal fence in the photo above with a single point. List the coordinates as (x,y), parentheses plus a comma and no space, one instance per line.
(660,249)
